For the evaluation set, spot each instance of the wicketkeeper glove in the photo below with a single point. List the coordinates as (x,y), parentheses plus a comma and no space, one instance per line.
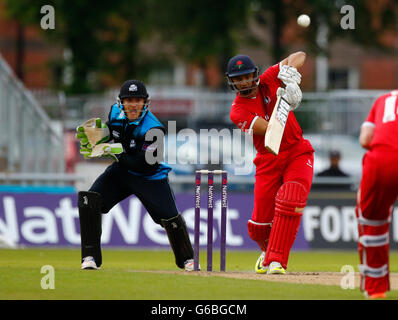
(292,94)
(106,150)
(289,74)
(92,132)
(85,151)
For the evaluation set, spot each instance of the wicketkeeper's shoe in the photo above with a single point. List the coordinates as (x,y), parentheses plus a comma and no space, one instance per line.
(275,268)
(89,263)
(189,265)
(259,268)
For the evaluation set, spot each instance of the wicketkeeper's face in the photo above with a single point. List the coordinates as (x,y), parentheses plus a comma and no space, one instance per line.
(133,107)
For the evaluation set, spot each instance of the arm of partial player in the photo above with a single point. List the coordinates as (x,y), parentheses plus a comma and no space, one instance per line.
(366,134)
(296,60)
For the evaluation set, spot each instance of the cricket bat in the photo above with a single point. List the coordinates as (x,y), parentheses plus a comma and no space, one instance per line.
(276,126)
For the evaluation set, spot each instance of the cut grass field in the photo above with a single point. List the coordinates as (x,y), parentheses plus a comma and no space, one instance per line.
(152,275)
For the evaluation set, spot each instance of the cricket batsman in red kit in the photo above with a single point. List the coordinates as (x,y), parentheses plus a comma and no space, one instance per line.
(283,181)
(377,193)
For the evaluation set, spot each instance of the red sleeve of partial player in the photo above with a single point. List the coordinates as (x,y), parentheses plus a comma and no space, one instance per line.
(384,117)
(243,118)
(270,76)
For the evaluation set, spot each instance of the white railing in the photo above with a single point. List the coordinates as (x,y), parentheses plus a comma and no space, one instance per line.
(337,111)
(28,142)
(336,114)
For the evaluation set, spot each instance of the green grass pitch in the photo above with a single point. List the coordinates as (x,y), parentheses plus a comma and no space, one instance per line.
(148,275)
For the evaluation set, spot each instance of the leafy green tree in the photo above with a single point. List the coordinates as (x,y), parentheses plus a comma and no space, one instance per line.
(105,37)
(129,27)
(373,20)
(102,36)
(202,30)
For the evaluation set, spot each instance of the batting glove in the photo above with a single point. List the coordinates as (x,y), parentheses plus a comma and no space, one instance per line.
(289,74)
(292,94)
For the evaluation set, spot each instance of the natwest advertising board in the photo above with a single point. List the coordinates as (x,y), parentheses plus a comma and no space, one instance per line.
(45,219)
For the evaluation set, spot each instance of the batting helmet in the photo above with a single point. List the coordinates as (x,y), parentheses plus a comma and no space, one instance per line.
(238,66)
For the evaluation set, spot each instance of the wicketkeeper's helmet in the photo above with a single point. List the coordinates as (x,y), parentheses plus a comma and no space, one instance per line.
(133,89)
(238,66)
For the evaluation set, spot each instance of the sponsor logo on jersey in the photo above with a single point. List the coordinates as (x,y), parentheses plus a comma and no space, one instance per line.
(149,147)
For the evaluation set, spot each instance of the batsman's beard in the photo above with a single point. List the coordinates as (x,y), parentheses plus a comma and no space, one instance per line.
(247,92)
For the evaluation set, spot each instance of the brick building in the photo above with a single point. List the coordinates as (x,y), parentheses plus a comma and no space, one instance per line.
(26,51)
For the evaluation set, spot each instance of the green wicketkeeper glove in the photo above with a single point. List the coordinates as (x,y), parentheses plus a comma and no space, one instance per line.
(92,132)
(106,150)
(85,151)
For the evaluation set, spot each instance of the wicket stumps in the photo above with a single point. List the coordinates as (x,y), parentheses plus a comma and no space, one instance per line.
(210,205)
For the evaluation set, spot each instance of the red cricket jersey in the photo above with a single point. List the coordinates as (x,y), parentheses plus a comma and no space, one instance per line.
(384,117)
(245,111)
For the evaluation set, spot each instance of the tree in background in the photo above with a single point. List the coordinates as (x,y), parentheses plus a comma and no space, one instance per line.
(202,32)
(130,47)
(375,22)
(77,28)
(103,38)
(110,41)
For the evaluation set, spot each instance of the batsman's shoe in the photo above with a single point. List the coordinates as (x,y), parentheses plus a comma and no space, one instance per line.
(189,265)
(275,268)
(89,263)
(259,268)
(379,295)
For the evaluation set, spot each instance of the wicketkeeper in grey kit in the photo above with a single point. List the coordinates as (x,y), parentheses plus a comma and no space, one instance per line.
(133,128)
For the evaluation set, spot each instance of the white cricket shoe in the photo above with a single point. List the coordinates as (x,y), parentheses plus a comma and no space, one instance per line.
(259,268)
(276,268)
(89,263)
(189,265)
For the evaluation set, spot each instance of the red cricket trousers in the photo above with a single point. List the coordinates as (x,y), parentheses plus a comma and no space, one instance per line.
(273,174)
(295,164)
(376,196)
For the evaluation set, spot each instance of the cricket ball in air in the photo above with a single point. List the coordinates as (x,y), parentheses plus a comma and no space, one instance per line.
(304,20)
